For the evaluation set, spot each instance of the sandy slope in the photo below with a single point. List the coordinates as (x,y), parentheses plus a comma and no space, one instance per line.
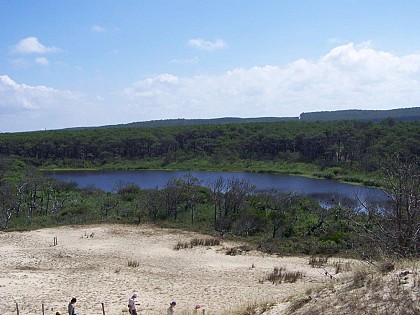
(91,263)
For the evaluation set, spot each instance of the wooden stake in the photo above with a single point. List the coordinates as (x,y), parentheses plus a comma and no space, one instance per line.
(103,309)
(17,309)
(43,313)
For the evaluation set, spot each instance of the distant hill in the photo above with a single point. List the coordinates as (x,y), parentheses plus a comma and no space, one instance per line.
(401,114)
(194,122)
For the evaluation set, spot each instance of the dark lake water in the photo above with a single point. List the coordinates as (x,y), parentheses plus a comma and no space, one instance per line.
(325,191)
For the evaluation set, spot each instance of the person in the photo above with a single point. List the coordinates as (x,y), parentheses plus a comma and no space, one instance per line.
(132,304)
(72,307)
(171,307)
(196,308)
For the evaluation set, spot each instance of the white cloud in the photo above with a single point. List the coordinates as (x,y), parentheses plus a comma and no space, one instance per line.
(202,44)
(348,77)
(97,29)
(42,61)
(15,97)
(31,45)
(25,107)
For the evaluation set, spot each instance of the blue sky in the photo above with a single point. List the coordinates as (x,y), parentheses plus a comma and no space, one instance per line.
(92,63)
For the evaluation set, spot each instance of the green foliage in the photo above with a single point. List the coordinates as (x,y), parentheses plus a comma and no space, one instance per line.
(388,117)
(276,222)
(330,149)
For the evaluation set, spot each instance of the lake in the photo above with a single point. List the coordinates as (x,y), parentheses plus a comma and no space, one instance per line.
(323,190)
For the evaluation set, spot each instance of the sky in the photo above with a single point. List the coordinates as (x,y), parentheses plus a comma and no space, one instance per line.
(86,63)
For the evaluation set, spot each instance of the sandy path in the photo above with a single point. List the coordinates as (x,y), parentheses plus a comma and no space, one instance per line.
(91,263)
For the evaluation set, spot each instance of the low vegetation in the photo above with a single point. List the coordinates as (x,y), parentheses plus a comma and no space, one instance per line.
(270,221)
(367,290)
(197,242)
(280,275)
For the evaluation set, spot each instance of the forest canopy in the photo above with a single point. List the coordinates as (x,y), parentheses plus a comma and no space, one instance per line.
(359,145)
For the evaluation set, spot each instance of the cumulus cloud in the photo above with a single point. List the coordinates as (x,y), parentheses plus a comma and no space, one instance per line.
(202,44)
(347,77)
(31,45)
(24,107)
(15,97)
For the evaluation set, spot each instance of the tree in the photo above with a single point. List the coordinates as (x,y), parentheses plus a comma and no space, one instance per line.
(234,201)
(154,203)
(401,222)
(8,202)
(191,192)
(217,189)
(173,197)
(281,207)
(394,229)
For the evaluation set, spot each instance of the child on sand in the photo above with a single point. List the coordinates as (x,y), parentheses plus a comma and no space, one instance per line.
(171,307)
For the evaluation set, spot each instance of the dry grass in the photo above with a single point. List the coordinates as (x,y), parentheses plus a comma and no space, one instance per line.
(280,275)
(133,263)
(340,266)
(372,291)
(238,250)
(251,308)
(318,261)
(197,242)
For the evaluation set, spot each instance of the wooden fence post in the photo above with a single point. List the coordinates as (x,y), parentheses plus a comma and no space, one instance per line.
(17,308)
(43,313)
(103,309)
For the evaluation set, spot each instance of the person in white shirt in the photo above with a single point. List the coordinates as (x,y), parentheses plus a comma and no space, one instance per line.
(132,304)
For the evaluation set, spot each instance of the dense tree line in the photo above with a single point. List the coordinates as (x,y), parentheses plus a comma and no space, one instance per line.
(400,114)
(357,144)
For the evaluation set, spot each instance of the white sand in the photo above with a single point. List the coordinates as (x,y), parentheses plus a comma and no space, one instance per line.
(91,263)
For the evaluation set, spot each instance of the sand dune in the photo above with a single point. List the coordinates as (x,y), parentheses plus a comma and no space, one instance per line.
(91,263)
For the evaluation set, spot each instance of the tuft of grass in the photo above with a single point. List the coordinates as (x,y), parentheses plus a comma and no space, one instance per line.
(238,250)
(252,308)
(133,263)
(280,275)
(359,278)
(318,262)
(386,267)
(197,242)
(182,245)
(299,303)
(204,242)
(342,266)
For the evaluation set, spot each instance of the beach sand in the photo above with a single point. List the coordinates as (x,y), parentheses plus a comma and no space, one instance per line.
(91,263)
